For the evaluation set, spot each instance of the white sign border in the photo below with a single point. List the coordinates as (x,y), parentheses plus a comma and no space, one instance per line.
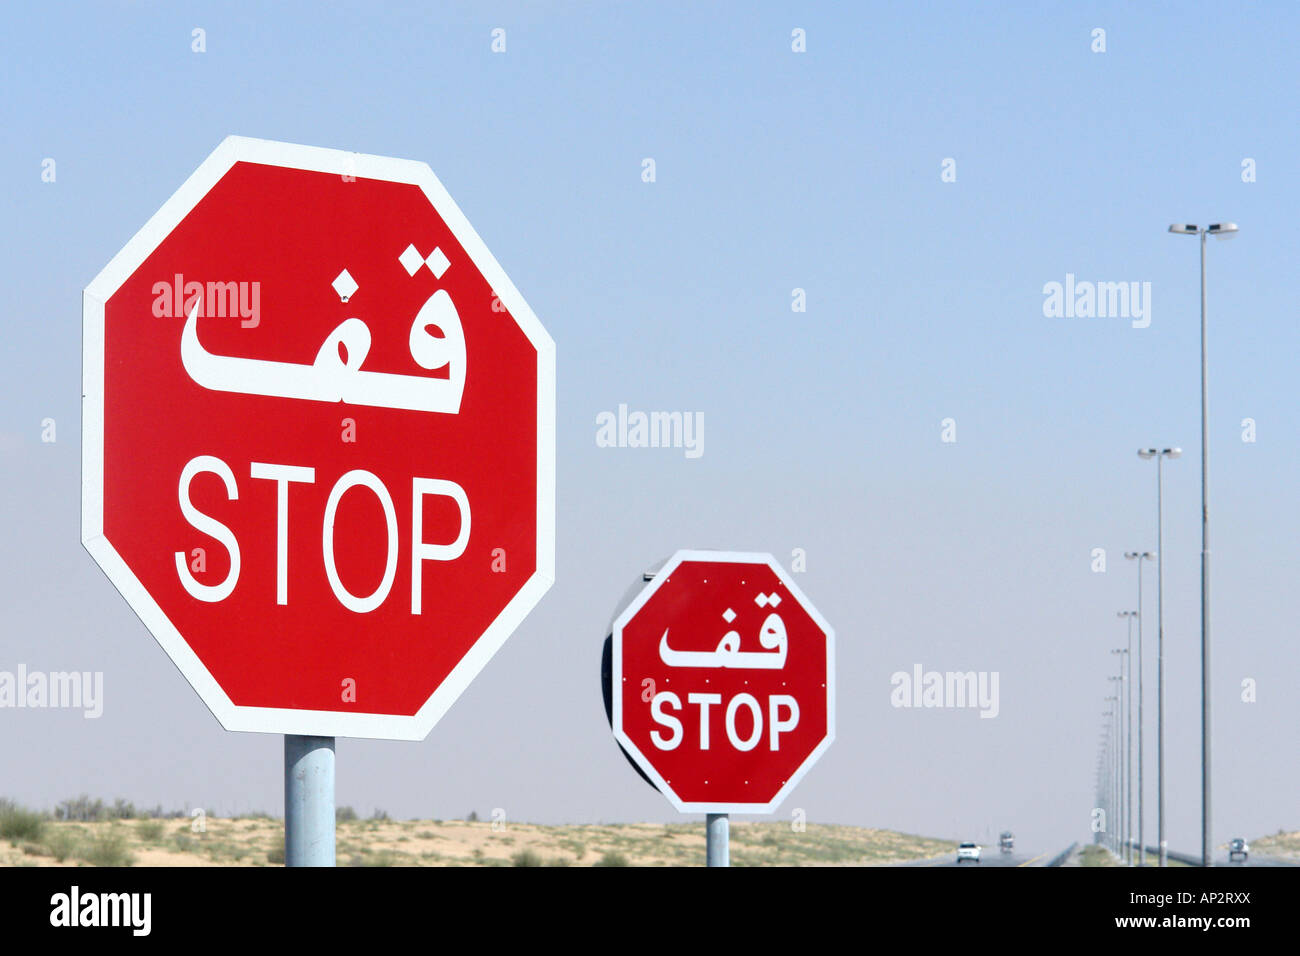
(234,149)
(616,671)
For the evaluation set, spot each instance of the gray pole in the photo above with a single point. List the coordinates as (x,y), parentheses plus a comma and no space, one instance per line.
(1114,817)
(1128,746)
(1128,791)
(1110,787)
(308,801)
(1114,737)
(1206,859)
(1105,779)
(1110,772)
(1112,814)
(1119,747)
(1160,658)
(1142,845)
(1122,771)
(1105,782)
(1119,765)
(716,850)
(1106,773)
(1125,753)
(1101,790)
(1101,795)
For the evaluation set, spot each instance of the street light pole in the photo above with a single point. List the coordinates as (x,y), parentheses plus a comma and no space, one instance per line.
(1224,230)
(1108,758)
(1128,759)
(1113,813)
(1160,662)
(1140,556)
(1122,755)
(1101,776)
(1160,455)
(1129,616)
(1206,859)
(1126,728)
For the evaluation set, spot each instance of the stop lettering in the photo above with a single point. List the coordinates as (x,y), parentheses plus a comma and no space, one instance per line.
(283,476)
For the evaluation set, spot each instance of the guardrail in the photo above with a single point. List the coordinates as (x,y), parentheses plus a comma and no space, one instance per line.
(1195,860)
(1062,856)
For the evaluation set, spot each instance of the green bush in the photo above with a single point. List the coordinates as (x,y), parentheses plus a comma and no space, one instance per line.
(61,844)
(184,842)
(106,848)
(344,815)
(611,858)
(526,858)
(17,823)
(275,854)
(149,831)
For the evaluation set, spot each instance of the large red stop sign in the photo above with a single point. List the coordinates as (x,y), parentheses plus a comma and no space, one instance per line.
(319,441)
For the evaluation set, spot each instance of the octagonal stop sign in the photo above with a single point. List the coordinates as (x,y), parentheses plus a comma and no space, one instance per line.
(318,453)
(722,682)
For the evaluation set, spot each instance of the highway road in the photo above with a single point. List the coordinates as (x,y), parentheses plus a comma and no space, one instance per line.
(1254,860)
(990,856)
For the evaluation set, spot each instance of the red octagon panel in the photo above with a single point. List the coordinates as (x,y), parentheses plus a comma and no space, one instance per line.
(318,441)
(723,682)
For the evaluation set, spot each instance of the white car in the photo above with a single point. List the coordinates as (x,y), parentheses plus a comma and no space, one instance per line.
(1238,847)
(968,851)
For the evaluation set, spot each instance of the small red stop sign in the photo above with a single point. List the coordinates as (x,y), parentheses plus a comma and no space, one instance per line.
(723,682)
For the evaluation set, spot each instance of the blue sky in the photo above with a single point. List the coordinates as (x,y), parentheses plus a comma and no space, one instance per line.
(775,170)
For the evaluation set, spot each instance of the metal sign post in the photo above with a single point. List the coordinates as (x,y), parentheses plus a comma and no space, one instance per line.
(717,849)
(308,801)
